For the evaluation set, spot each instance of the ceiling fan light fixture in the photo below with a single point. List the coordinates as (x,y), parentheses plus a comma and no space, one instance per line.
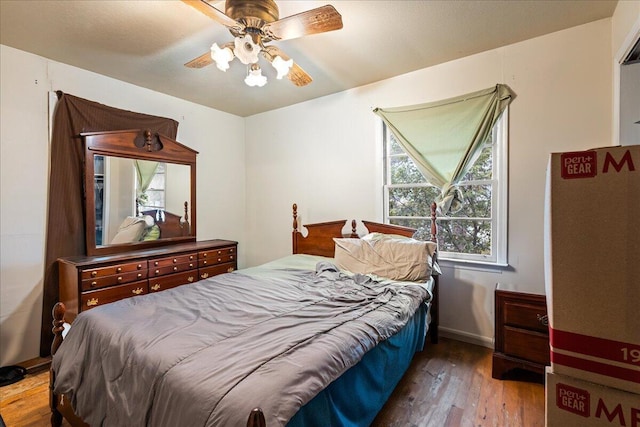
(246,50)
(222,57)
(282,66)
(254,76)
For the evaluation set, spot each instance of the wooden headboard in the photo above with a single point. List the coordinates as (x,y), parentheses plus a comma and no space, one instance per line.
(170,224)
(319,239)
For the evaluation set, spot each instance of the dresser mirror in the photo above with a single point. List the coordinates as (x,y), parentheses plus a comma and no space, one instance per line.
(139,191)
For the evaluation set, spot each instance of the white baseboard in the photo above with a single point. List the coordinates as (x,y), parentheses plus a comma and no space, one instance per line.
(465,337)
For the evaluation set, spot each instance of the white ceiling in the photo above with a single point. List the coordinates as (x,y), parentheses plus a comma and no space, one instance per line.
(147,42)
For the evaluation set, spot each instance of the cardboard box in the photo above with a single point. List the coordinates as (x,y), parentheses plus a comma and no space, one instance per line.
(592,265)
(571,402)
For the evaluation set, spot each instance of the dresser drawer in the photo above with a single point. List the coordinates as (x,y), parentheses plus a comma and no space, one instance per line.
(217,256)
(157,284)
(526,315)
(102,281)
(527,345)
(174,260)
(171,269)
(112,270)
(216,269)
(114,293)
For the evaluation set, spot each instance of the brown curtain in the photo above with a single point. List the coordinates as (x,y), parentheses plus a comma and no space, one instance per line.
(65,221)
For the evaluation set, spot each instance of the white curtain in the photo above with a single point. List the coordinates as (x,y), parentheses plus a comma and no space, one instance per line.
(445,138)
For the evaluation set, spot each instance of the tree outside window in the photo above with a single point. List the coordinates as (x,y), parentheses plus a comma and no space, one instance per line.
(474,233)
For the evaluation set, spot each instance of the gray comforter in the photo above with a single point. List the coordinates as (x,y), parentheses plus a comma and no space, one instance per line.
(207,353)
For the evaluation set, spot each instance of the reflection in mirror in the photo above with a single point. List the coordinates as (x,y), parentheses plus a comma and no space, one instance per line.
(140,200)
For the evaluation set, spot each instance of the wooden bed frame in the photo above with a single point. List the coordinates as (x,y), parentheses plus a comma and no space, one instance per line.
(172,224)
(319,241)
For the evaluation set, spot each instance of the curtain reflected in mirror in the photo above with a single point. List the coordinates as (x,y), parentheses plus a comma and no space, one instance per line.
(134,198)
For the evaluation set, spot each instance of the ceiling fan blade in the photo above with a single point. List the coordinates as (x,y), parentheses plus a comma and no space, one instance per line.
(207,9)
(201,61)
(296,75)
(314,21)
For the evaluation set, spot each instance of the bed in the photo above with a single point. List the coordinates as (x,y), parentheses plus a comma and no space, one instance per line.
(297,341)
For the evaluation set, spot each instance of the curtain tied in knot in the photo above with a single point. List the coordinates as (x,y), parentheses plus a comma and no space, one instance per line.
(450,199)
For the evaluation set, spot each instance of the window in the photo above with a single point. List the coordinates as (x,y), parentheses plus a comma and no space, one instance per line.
(153,197)
(476,233)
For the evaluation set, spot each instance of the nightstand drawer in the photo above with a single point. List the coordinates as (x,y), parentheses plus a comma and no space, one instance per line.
(525,315)
(528,345)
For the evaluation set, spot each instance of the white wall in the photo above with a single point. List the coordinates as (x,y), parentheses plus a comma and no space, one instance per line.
(325,155)
(25,80)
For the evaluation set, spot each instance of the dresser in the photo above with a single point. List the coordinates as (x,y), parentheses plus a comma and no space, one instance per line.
(89,281)
(522,331)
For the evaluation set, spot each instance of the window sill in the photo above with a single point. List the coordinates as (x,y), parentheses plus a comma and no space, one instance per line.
(479,265)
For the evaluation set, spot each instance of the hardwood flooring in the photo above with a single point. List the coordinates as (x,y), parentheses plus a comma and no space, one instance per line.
(447,385)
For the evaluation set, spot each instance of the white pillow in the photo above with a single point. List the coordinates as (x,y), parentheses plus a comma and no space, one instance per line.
(130,230)
(389,256)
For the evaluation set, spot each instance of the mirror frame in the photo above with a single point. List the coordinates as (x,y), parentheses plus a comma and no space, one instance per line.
(133,144)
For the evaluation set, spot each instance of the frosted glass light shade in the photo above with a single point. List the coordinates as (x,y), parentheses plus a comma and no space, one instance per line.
(222,57)
(255,77)
(282,66)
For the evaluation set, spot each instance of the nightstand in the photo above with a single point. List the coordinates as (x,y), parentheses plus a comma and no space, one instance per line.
(522,331)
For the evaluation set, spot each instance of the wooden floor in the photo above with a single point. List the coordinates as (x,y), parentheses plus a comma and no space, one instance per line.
(447,385)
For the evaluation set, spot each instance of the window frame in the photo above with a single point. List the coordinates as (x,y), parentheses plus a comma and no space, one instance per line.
(499,196)
(136,184)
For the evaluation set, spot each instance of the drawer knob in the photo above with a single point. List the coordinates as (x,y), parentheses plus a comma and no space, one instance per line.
(175,268)
(94,284)
(92,302)
(190,265)
(219,259)
(231,250)
(219,252)
(119,270)
(175,260)
(204,262)
(119,278)
(190,279)
(94,273)
(204,275)
(137,291)
(139,266)
(156,263)
(157,271)
(231,257)
(544,319)
(230,269)
(204,255)
(139,275)
(191,258)
(155,287)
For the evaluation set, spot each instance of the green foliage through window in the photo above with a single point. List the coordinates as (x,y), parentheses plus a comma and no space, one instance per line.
(409,197)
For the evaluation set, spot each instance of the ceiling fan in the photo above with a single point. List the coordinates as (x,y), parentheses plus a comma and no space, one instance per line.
(253,23)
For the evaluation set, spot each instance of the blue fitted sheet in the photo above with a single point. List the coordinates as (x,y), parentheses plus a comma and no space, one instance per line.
(356,397)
